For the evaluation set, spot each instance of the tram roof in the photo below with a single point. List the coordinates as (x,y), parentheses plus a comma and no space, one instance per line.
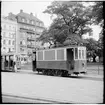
(71,46)
(11,53)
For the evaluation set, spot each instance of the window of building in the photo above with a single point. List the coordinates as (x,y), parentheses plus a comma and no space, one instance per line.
(4,48)
(32,22)
(9,42)
(20,42)
(4,34)
(9,49)
(13,35)
(28,21)
(13,28)
(10,35)
(4,41)
(23,19)
(9,27)
(13,42)
(23,42)
(12,49)
(4,26)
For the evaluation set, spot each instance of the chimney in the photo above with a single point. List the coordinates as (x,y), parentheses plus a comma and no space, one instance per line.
(31,14)
(21,11)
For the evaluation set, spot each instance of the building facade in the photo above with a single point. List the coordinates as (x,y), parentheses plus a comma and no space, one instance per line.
(28,29)
(8,35)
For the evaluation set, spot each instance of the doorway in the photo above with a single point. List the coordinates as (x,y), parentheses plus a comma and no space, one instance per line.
(70,59)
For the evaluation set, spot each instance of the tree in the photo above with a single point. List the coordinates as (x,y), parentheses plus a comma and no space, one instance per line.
(45,37)
(72,18)
(97,18)
(97,13)
(93,48)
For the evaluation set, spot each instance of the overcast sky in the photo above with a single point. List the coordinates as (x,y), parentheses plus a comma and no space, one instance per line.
(37,8)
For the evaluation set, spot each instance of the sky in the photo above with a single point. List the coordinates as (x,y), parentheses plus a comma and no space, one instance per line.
(37,8)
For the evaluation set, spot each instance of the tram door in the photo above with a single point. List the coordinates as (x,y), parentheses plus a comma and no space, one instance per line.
(6,62)
(3,62)
(70,59)
(34,61)
(11,63)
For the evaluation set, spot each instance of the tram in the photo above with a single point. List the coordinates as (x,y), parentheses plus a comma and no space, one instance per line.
(9,60)
(61,61)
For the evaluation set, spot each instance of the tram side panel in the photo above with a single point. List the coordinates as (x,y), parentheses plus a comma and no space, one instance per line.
(57,65)
(80,66)
(51,59)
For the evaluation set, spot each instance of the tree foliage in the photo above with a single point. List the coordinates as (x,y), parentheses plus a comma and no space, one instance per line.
(72,18)
(97,13)
(93,48)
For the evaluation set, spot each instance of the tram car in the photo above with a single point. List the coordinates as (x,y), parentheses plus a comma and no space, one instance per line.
(62,61)
(8,60)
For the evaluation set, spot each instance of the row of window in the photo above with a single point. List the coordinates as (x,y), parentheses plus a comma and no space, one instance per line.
(10,35)
(31,43)
(31,36)
(6,49)
(80,54)
(8,42)
(36,29)
(32,22)
(23,42)
(6,27)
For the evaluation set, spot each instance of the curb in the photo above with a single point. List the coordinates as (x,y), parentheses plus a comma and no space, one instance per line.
(87,75)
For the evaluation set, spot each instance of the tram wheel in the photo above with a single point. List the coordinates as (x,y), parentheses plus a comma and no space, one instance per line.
(43,72)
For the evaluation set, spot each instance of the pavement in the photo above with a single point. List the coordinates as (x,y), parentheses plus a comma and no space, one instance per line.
(64,90)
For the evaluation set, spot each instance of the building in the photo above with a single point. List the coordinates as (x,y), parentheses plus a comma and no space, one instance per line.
(28,29)
(8,35)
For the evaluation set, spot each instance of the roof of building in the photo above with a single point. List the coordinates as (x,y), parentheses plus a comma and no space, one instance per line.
(12,17)
(29,16)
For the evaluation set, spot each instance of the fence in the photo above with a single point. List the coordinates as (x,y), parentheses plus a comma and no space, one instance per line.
(95,68)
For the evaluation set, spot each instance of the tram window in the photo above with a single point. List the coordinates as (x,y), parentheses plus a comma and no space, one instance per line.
(76,53)
(83,54)
(79,54)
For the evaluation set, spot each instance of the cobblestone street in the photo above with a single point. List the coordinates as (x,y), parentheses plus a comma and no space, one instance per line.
(69,90)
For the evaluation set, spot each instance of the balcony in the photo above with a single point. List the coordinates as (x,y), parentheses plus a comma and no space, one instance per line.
(30,46)
(28,30)
(21,45)
(30,39)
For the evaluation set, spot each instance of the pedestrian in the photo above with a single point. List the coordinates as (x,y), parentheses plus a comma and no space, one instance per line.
(15,67)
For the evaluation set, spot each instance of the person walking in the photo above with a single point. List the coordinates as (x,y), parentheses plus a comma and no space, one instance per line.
(15,67)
